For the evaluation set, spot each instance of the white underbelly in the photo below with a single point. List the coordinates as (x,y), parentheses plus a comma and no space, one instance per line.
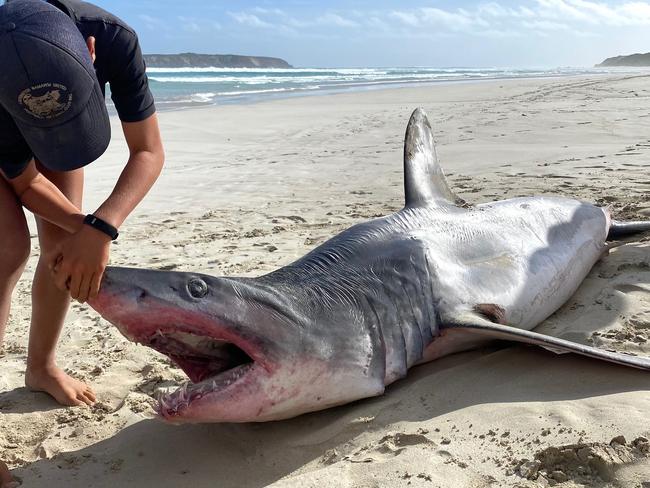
(528,256)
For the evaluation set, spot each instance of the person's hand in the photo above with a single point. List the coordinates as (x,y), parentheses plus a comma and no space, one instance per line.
(6,481)
(78,263)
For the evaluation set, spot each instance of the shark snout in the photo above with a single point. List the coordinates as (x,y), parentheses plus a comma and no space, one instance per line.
(117,280)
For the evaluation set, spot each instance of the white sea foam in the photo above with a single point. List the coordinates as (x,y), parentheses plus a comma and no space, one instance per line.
(269,70)
(210,85)
(259,80)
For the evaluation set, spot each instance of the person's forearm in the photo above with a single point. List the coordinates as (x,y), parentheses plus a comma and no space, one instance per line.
(44,199)
(134,183)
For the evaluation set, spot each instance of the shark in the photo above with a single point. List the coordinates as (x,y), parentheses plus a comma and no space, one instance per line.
(351,317)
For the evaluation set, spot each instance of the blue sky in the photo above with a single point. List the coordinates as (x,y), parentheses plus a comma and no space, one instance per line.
(516,33)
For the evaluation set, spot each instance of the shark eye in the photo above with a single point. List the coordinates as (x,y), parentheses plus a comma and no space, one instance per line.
(197,288)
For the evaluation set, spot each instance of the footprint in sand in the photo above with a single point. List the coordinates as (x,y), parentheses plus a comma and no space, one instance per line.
(634,330)
(388,447)
(632,289)
(254,233)
(640,322)
(583,464)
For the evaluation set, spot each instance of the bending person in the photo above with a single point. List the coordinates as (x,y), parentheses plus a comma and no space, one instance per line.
(56,58)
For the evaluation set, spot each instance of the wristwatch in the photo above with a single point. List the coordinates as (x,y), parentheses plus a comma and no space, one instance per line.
(102,226)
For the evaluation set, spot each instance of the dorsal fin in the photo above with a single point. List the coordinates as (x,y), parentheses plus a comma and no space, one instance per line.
(424,181)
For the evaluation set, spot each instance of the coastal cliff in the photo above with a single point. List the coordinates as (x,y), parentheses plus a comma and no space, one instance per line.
(637,60)
(192,60)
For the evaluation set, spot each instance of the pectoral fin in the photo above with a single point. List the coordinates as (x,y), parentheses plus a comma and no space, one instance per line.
(475,324)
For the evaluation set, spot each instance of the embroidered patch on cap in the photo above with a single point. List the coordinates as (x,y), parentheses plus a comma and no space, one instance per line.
(46,101)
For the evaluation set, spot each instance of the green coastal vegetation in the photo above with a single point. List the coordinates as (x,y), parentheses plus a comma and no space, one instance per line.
(193,60)
(634,60)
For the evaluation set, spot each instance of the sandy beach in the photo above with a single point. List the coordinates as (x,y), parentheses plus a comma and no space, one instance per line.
(249,188)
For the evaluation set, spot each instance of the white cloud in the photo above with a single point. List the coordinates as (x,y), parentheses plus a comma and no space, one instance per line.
(526,12)
(336,20)
(250,20)
(497,33)
(637,10)
(460,19)
(408,18)
(376,22)
(493,9)
(491,18)
(545,25)
(285,24)
(596,13)
(451,20)
(267,11)
(560,9)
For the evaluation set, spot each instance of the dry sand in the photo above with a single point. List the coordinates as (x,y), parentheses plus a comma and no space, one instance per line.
(249,188)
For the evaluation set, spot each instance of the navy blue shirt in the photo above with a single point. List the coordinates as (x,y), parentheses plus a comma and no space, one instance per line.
(119,58)
(119,62)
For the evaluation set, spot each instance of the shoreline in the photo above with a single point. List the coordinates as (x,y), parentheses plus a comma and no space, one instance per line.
(253,96)
(342,90)
(250,188)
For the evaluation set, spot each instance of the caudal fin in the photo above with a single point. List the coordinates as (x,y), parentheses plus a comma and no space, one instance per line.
(624,229)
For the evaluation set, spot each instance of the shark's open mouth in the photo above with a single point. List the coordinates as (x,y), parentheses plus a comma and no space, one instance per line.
(212,366)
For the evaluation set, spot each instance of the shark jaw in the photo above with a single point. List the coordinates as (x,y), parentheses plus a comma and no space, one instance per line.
(236,374)
(215,368)
(228,369)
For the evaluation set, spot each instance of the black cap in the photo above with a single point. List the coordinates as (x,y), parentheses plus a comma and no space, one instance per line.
(49,87)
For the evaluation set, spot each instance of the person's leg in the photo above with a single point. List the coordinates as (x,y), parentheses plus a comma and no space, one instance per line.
(15,245)
(49,308)
(14,242)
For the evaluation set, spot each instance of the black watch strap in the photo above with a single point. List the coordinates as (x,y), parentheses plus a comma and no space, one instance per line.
(102,226)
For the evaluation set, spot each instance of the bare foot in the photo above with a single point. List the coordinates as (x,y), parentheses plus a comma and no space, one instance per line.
(65,389)
(6,481)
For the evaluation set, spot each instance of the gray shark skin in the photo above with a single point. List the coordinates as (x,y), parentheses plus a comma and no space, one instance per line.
(352,316)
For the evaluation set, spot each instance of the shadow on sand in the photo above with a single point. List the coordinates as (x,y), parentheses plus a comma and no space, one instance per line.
(230,455)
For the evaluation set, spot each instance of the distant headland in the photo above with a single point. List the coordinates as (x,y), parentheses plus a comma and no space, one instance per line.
(193,60)
(635,60)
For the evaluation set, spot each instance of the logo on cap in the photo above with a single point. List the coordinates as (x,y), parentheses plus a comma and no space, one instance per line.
(46,101)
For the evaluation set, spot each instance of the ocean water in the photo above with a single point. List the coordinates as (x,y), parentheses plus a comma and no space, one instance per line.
(189,86)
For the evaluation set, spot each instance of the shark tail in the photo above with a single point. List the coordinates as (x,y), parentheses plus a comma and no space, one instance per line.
(619,230)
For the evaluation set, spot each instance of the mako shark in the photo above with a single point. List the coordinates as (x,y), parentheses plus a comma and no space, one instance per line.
(352,316)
